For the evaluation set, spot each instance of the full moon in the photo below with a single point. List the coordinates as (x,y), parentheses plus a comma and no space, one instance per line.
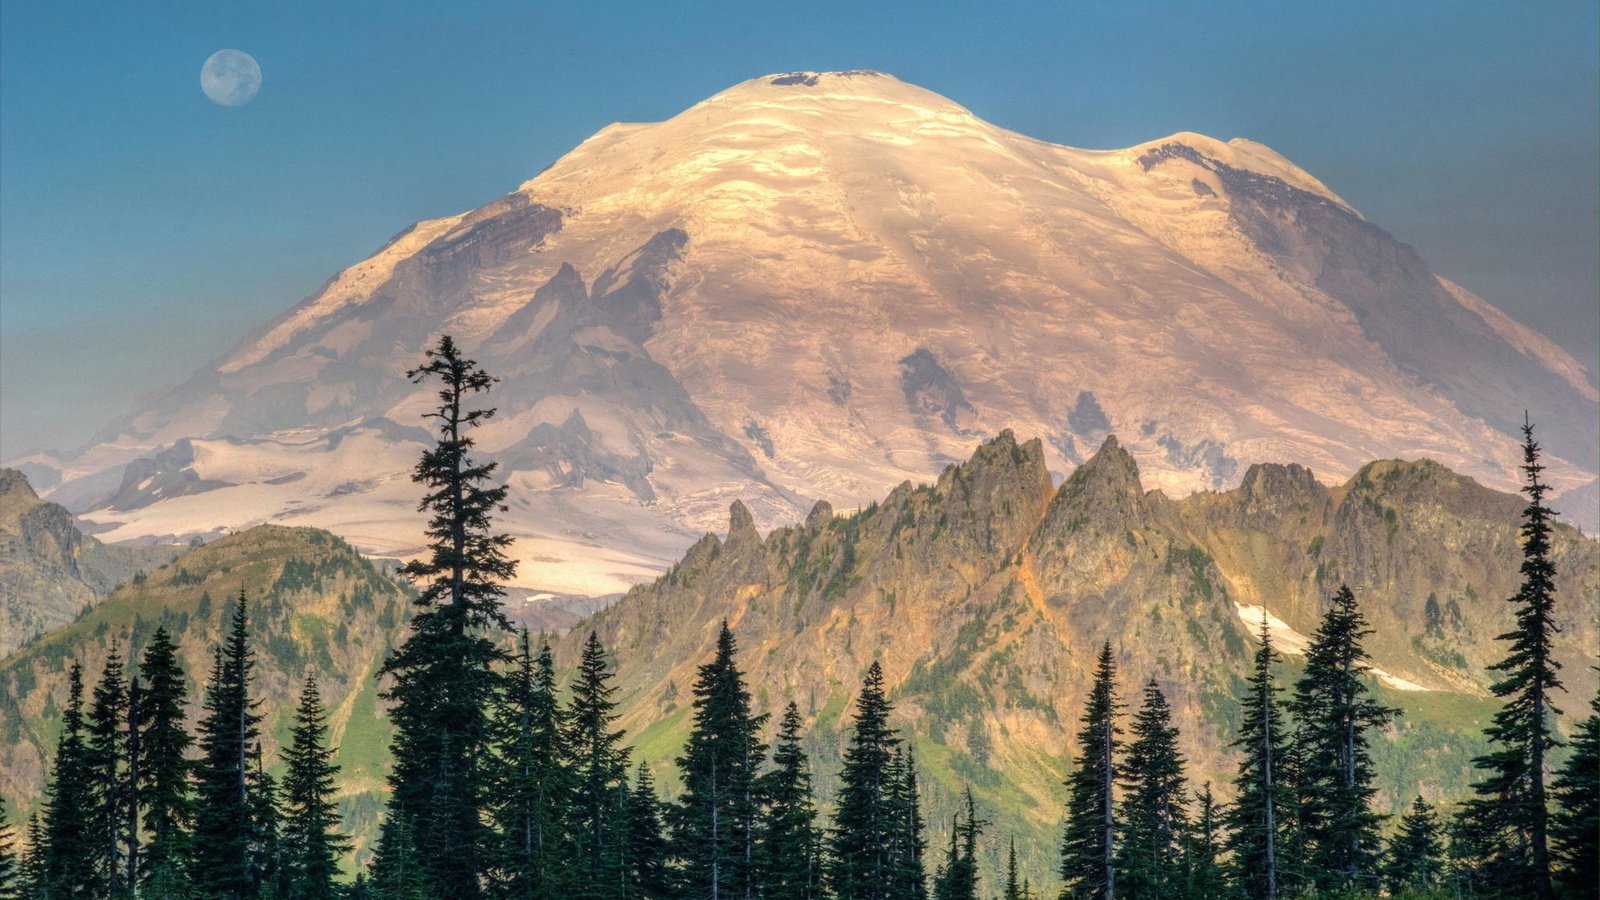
(230,77)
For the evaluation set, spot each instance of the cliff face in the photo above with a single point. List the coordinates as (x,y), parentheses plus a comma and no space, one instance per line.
(987,594)
(49,570)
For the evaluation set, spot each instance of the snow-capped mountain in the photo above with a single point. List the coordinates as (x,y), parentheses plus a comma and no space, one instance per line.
(817,285)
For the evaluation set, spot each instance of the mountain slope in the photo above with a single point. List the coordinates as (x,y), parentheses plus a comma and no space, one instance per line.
(986,596)
(49,571)
(820,285)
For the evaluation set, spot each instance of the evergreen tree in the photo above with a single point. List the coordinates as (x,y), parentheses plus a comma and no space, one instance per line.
(1255,828)
(130,787)
(599,778)
(530,780)
(443,675)
(1149,858)
(312,841)
(858,864)
(649,873)
(1013,889)
(1334,711)
(1510,813)
(270,874)
(957,878)
(397,871)
(907,845)
(33,872)
(1203,874)
(789,841)
(1575,824)
(714,822)
(1088,847)
(163,772)
(73,850)
(106,761)
(8,856)
(224,828)
(1416,854)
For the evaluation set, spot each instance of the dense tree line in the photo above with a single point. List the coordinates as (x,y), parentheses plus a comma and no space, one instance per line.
(507,786)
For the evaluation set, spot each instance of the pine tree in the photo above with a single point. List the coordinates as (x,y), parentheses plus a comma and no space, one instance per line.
(73,850)
(106,761)
(649,873)
(397,871)
(224,821)
(858,864)
(312,841)
(1155,818)
(33,871)
(1088,847)
(443,675)
(957,878)
(1334,711)
(1203,872)
(1575,824)
(163,772)
(790,842)
(1416,854)
(8,856)
(599,778)
(1013,889)
(531,781)
(1510,813)
(907,844)
(1255,828)
(714,822)
(269,873)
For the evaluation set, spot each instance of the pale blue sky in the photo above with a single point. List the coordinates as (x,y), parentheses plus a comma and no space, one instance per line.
(144,230)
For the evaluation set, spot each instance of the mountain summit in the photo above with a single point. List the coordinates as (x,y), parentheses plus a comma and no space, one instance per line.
(814,286)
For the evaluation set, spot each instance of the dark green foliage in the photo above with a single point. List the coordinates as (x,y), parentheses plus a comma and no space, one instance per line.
(443,677)
(1154,815)
(1014,885)
(163,772)
(530,782)
(957,878)
(222,864)
(108,776)
(1575,823)
(269,869)
(598,823)
(907,872)
(8,856)
(1334,712)
(649,875)
(1416,854)
(311,839)
(33,870)
(714,822)
(70,842)
(790,842)
(1509,817)
(1088,846)
(1254,821)
(859,862)
(397,871)
(1203,872)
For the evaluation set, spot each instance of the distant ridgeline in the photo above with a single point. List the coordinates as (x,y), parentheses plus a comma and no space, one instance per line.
(984,607)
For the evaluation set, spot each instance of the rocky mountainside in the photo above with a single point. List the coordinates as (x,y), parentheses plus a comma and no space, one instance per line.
(49,571)
(816,286)
(987,594)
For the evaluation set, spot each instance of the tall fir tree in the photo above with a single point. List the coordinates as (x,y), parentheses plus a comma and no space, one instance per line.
(650,875)
(1575,823)
(268,869)
(312,841)
(908,842)
(790,843)
(1089,844)
(1154,806)
(714,822)
(397,869)
(1334,713)
(443,677)
(1416,854)
(531,782)
(8,856)
(68,809)
(107,763)
(1510,813)
(957,878)
(1013,888)
(1254,823)
(1204,876)
(858,864)
(130,836)
(162,770)
(224,829)
(33,869)
(598,823)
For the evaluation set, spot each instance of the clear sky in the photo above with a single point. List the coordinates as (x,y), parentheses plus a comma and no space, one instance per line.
(144,229)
